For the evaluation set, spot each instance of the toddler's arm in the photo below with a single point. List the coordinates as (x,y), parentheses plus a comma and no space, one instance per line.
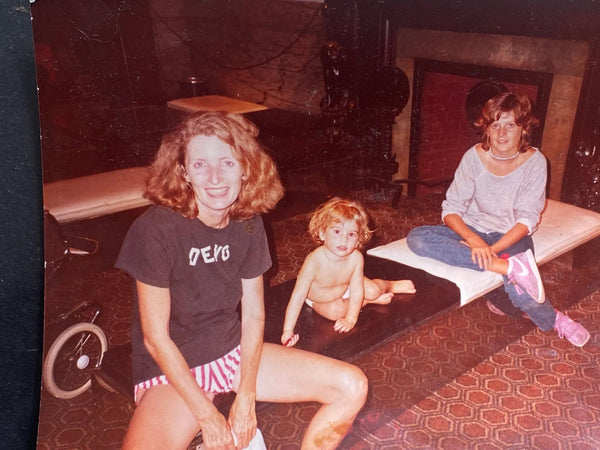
(289,339)
(357,296)
(299,295)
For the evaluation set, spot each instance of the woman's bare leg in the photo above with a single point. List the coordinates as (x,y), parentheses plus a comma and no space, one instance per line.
(292,375)
(161,420)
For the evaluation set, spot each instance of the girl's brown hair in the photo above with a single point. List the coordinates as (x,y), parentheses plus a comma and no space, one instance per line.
(340,210)
(261,187)
(508,102)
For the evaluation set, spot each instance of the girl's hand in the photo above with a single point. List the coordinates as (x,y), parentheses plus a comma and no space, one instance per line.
(343,325)
(481,253)
(289,339)
(242,418)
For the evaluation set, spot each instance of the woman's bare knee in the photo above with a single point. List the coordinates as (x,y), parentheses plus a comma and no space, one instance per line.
(353,385)
(347,387)
(309,377)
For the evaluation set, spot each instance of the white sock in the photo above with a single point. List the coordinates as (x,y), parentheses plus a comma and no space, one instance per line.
(510,265)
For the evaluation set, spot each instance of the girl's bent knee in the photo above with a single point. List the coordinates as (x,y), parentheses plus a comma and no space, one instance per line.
(415,240)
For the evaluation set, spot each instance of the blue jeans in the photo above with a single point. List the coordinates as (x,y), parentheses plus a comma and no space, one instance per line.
(441,243)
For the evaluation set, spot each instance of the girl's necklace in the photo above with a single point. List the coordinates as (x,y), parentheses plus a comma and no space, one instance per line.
(503,158)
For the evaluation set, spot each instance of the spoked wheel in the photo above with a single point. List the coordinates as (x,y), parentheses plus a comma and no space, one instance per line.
(66,370)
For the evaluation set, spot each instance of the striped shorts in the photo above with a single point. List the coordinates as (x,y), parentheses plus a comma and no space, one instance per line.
(215,376)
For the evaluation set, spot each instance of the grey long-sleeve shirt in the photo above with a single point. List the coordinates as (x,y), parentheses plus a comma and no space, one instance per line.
(490,202)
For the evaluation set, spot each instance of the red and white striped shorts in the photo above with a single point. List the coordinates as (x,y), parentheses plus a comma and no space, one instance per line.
(215,376)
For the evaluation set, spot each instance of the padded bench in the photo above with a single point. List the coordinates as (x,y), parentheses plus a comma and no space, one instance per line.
(562,228)
(96,195)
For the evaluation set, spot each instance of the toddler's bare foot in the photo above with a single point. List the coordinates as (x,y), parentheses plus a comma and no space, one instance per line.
(383,299)
(403,287)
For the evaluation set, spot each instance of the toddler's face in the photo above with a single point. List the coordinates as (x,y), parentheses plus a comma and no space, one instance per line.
(341,237)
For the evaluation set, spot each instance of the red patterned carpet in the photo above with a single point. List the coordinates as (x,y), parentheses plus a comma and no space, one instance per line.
(466,380)
(471,380)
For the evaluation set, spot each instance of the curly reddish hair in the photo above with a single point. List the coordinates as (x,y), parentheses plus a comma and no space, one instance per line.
(340,210)
(508,102)
(261,186)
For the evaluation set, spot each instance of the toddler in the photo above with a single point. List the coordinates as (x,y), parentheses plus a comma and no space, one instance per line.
(331,279)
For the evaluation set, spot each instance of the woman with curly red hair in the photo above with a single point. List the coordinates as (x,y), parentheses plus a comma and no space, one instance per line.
(197,256)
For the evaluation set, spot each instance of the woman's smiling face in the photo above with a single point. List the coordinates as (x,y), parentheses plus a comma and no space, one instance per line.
(214,174)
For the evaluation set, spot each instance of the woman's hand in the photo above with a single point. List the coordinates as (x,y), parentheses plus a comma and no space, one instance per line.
(343,325)
(216,433)
(289,338)
(242,418)
(481,253)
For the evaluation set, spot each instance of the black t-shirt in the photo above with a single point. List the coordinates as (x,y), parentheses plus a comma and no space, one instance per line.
(203,268)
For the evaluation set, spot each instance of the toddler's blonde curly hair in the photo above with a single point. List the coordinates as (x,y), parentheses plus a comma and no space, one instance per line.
(340,210)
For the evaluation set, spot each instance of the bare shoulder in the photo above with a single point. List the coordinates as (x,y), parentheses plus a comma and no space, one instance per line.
(531,151)
(355,262)
(313,259)
(357,257)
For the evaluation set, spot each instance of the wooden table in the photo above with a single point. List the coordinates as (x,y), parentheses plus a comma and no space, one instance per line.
(214,103)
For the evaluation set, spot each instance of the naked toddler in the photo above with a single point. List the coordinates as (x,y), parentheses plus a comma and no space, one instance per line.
(331,279)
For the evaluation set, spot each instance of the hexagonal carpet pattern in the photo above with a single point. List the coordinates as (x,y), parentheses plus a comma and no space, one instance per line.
(466,380)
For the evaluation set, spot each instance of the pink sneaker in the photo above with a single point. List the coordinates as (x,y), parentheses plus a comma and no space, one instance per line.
(524,274)
(575,333)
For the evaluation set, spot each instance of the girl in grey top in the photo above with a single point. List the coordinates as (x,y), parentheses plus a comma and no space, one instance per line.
(474,194)
(492,208)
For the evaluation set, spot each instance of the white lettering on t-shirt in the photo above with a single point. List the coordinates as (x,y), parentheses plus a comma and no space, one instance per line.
(209,255)
(194,253)
(225,253)
(206,255)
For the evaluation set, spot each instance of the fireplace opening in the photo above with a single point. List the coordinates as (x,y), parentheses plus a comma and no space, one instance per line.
(441,128)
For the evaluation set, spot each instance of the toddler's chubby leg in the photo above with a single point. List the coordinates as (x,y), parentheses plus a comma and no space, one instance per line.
(402,286)
(383,299)
(333,310)
(381,291)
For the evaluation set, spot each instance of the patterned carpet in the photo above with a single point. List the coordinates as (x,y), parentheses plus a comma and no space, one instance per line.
(466,380)
(471,380)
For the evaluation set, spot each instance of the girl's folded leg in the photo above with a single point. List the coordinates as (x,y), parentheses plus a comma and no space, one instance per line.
(442,244)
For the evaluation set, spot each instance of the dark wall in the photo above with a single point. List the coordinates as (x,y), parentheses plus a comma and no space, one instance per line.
(559,19)
(101,102)
(582,178)
(264,51)
(107,68)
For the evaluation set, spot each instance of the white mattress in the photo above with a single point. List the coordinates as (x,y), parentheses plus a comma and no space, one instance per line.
(562,228)
(96,195)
